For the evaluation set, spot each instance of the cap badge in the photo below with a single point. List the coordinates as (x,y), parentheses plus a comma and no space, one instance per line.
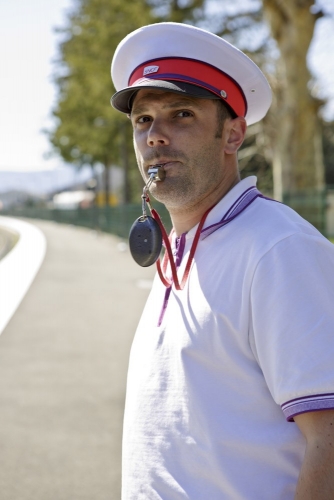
(150,69)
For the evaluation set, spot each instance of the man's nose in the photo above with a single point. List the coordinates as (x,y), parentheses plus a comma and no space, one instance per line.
(157,134)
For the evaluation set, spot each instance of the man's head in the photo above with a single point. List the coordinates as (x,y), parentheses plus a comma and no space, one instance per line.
(179,85)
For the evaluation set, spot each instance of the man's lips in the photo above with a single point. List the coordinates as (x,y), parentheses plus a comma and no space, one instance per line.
(163,164)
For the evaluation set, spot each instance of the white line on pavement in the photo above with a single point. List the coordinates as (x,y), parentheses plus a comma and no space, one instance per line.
(19,267)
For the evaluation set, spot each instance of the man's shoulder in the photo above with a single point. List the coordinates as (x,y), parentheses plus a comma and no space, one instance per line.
(275,220)
(265,224)
(271,224)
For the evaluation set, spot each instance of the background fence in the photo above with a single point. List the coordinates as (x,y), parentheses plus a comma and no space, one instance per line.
(316,207)
(116,220)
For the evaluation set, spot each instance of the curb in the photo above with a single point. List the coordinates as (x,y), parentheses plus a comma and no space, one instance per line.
(22,252)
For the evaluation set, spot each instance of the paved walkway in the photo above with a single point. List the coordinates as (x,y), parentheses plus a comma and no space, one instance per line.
(63,362)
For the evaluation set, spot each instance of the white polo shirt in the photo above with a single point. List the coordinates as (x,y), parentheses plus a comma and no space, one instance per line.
(245,346)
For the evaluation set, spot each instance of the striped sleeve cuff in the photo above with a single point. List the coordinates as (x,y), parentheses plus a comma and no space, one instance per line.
(308,403)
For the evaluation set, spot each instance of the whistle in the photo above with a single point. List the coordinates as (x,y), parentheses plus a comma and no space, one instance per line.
(157,173)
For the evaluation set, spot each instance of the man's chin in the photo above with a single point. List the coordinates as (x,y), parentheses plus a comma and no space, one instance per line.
(170,196)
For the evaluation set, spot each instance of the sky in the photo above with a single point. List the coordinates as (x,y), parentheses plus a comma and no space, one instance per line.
(28,45)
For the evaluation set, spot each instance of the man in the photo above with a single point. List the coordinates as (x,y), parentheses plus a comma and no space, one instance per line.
(231,378)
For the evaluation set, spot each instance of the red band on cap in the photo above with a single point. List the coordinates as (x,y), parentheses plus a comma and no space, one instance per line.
(196,72)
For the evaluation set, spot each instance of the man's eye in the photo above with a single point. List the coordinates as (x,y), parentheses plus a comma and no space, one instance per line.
(184,114)
(143,119)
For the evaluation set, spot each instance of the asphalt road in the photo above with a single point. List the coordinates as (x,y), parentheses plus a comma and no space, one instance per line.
(63,363)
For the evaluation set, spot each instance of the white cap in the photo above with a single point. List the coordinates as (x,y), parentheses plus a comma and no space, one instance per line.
(181,58)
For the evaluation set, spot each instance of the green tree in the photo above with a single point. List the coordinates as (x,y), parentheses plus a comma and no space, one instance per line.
(87,129)
(178,11)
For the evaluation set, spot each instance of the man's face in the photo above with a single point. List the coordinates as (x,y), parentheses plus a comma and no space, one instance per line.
(179,132)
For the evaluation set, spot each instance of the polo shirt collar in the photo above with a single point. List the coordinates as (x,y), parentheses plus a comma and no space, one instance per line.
(225,204)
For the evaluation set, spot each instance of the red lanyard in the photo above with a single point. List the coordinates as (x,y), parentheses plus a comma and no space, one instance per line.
(168,257)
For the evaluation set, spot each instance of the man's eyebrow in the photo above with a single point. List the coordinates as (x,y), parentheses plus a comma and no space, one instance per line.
(139,109)
(184,102)
(144,108)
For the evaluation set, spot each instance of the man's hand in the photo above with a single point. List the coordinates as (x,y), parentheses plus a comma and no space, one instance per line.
(316,479)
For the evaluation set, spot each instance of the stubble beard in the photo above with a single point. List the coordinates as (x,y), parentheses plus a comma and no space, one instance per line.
(192,179)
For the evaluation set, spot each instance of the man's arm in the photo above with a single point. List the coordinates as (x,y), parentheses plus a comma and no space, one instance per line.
(316,479)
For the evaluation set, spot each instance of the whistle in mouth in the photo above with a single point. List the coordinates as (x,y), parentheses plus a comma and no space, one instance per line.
(157,173)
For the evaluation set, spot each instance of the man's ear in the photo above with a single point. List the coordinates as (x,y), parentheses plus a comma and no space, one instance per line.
(235,130)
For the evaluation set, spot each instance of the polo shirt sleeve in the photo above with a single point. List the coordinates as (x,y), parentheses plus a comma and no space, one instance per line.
(292,327)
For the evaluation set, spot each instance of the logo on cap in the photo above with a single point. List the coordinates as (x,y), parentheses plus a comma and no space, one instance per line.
(150,69)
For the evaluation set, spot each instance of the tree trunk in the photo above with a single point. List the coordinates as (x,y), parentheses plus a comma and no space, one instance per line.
(298,162)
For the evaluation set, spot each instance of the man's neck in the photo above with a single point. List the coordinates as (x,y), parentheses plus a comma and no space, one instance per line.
(185,218)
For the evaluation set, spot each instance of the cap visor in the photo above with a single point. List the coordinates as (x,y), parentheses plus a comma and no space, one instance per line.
(122,100)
